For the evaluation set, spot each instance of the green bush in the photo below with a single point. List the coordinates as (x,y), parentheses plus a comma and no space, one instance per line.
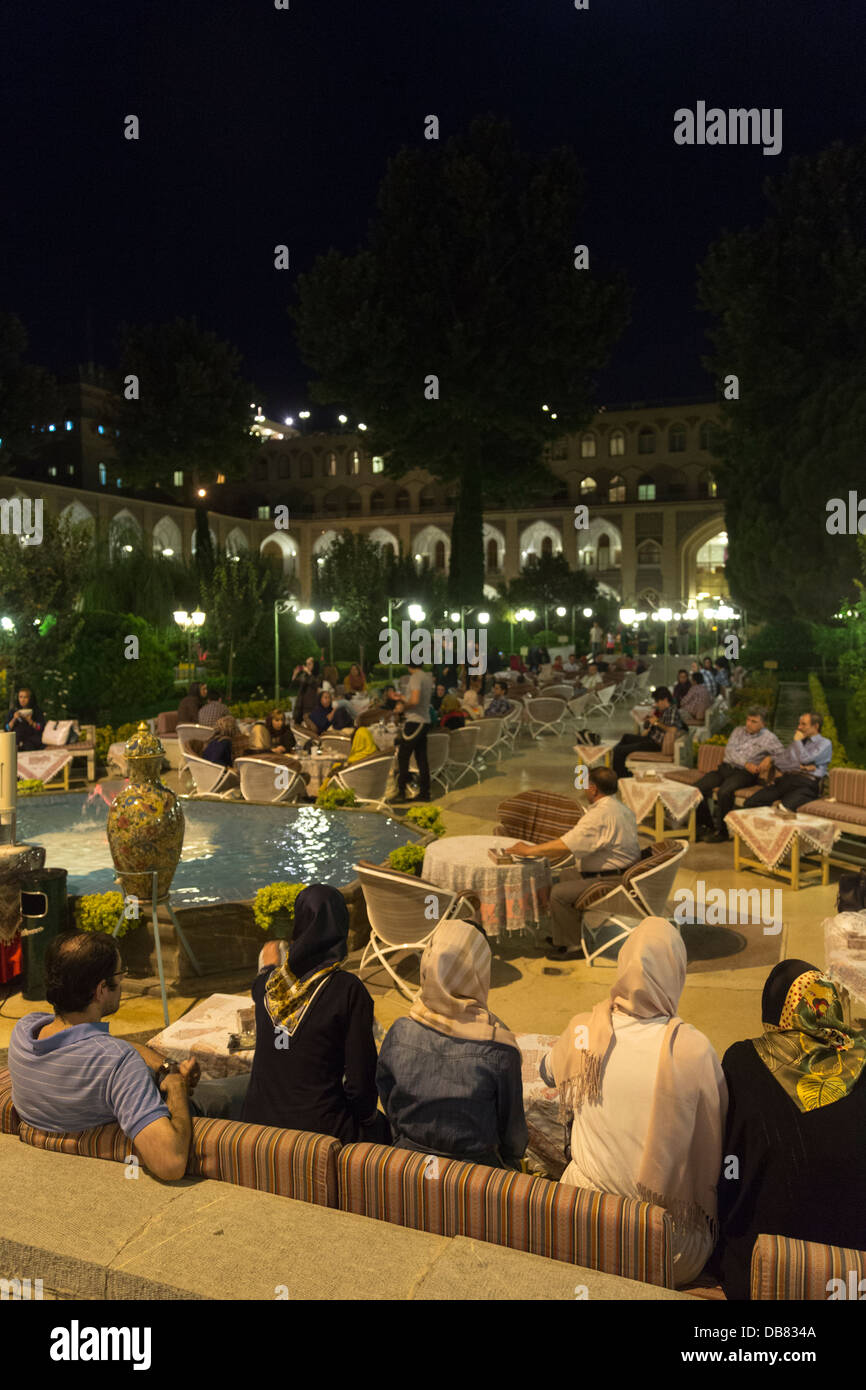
(106,735)
(408,859)
(792,643)
(426,818)
(546,638)
(275,897)
(29,786)
(252,709)
(103,682)
(100,911)
(829,730)
(331,797)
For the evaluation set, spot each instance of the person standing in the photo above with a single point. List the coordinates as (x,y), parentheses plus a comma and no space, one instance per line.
(596,637)
(413,738)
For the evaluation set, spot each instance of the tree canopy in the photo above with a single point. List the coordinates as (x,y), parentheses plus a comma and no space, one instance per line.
(28,396)
(469,277)
(788,301)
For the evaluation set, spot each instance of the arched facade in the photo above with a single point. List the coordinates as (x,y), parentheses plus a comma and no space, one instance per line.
(78,514)
(167,536)
(494,549)
(381,536)
(533,537)
(124,529)
(426,542)
(236,542)
(279,546)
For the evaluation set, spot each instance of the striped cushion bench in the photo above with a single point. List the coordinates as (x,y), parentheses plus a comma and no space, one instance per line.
(785,1268)
(592,1229)
(537,817)
(9,1121)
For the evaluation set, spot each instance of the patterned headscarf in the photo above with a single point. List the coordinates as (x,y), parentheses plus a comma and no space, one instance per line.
(810,1050)
(318,948)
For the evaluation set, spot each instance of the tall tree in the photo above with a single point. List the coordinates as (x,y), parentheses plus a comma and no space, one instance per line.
(39,589)
(192,412)
(468,277)
(238,600)
(28,396)
(352,578)
(549,584)
(788,301)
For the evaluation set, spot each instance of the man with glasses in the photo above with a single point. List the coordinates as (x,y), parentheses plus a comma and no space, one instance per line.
(69,1074)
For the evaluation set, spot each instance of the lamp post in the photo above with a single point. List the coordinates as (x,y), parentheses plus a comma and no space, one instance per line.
(189,623)
(280,606)
(329,617)
(664,615)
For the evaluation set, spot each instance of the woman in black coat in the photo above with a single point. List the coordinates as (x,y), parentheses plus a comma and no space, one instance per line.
(314,1067)
(26,721)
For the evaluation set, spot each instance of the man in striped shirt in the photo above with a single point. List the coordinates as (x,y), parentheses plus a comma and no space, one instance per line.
(665,716)
(747,752)
(69,1074)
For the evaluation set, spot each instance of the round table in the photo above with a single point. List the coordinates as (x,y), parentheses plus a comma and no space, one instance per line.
(318,765)
(385,739)
(514,897)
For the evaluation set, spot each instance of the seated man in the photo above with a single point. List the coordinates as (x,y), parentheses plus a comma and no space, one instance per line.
(803,766)
(604,842)
(500,704)
(214,709)
(746,752)
(593,679)
(69,1074)
(694,705)
(570,666)
(708,675)
(664,716)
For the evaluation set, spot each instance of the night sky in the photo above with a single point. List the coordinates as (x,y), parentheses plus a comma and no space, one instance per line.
(262,126)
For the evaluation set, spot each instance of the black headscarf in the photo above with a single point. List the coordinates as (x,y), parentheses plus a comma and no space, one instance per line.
(318,947)
(779,981)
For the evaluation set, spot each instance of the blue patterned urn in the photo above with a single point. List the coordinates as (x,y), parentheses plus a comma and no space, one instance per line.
(145,821)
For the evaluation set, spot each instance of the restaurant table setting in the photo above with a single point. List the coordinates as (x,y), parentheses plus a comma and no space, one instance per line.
(514,896)
(778,837)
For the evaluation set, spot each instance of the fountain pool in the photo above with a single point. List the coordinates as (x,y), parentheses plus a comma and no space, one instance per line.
(229,849)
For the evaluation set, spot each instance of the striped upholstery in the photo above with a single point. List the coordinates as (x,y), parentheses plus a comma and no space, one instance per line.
(784,1268)
(106,1141)
(537,817)
(286,1162)
(848,785)
(8,1114)
(835,810)
(595,891)
(659,853)
(710,758)
(592,1229)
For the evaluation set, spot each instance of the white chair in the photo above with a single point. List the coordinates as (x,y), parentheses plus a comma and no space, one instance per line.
(338,744)
(368,779)
(210,779)
(462,747)
(489,736)
(398,908)
(545,715)
(260,780)
(438,743)
(625,689)
(563,691)
(643,891)
(188,734)
(513,724)
(603,704)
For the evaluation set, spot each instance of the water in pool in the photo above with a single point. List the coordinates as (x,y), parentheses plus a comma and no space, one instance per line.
(229,850)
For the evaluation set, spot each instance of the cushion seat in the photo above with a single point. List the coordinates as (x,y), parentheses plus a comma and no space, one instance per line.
(648,756)
(836,811)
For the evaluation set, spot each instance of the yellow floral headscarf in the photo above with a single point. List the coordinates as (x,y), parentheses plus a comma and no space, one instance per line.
(815,1057)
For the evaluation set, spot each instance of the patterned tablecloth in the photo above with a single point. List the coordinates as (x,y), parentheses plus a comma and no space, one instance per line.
(203,1033)
(677,797)
(769,836)
(514,897)
(845,956)
(593,754)
(318,765)
(44,764)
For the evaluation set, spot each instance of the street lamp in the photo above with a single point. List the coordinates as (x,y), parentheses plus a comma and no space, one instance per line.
(190,623)
(664,615)
(281,605)
(329,617)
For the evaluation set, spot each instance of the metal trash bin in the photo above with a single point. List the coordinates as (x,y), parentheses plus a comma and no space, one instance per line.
(43,908)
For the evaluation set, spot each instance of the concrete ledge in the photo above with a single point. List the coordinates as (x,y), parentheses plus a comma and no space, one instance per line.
(87,1230)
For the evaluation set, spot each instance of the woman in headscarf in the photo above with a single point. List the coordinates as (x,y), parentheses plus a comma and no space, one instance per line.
(646,1094)
(314,1067)
(328,719)
(26,721)
(449,1074)
(221,747)
(451,713)
(282,738)
(796,1121)
(356,681)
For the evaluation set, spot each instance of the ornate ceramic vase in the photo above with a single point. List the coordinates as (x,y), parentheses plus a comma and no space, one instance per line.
(145,821)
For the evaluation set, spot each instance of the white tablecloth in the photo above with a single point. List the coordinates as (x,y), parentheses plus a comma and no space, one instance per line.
(386,738)
(514,897)
(678,798)
(44,764)
(318,765)
(769,836)
(593,754)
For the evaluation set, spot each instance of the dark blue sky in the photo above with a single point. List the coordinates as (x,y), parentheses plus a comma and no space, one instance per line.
(262,126)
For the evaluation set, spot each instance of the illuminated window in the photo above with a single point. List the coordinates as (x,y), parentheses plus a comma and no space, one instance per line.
(331,469)
(710,486)
(587,446)
(646,489)
(355,462)
(103,475)
(616,489)
(264,513)
(69,426)
(52,429)
(378,464)
(52,472)
(616,444)
(178,477)
(588,486)
(221,477)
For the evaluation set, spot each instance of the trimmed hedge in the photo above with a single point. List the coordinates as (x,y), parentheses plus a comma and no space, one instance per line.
(829,730)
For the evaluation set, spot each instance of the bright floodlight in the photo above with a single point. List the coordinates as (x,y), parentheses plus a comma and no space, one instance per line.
(416,613)
(198,618)
(664,615)
(7,624)
(691,614)
(303,414)
(362,427)
(626,615)
(530,615)
(561,612)
(455,617)
(587,612)
(343,419)
(677,617)
(181,617)
(168,552)
(202,492)
(306,615)
(484,619)
(329,616)
(128,549)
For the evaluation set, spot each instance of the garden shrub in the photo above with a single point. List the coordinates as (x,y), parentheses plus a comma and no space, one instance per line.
(274,898)
(29,786)
(407,859)
(100,911)
(829,730)
(331,797)
(426,818)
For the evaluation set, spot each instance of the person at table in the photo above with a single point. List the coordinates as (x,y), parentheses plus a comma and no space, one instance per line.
(604,842)
(221,748)
(213,709)
(26,721)
(69,1074)
(190,706)
(722,668)
(665,715)
(392,700)
(413,735)
(451,713)
(693,706)
(500,705)
(314,1067)
(282,738)
(646,1096)
(796,1120)
(746,753)
(471,698)
(803,764)
(356,681)
(326,718)
(593,679)
(449,1075)
(708,675)
(437,697)
(682,687)
(570,666)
